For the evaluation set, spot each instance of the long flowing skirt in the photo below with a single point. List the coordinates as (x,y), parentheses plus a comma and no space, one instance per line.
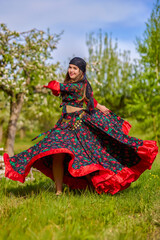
(95,144)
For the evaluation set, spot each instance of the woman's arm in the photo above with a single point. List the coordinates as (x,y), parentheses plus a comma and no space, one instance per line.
(57,87)
(54,86)
(102,108)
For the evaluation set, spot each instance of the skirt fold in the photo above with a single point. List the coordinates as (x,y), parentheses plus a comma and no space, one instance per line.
(95,144)
(113,183)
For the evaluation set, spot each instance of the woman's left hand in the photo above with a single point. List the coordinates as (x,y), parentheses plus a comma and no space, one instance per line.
(103,108)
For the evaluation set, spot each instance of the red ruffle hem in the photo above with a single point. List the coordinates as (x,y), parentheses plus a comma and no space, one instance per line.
(104,180)
(107,181)
(126,127)
(35,162)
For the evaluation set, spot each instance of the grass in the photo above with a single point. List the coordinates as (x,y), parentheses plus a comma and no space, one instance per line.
(32,211)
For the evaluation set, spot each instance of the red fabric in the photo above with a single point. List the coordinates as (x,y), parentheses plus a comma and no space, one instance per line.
(95,102)
(54,86)
(126,127)
(104,180)
(107,181)
(75,183)
(83,170)
(10,173)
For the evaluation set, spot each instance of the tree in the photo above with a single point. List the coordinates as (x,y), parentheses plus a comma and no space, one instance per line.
(24,66)
(4,114)
(145,104)
(42,115)
(110,72)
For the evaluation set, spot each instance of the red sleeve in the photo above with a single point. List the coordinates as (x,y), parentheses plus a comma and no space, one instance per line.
(57,87)
(95,102)
(54,86)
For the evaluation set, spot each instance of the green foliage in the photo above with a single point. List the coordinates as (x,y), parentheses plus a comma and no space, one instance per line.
(110,72)
(25,66)
(145,102)
(44,112)
(24,59)
(149,46)
(4,108)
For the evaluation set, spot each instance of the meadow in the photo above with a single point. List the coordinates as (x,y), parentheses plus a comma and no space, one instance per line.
(33,211)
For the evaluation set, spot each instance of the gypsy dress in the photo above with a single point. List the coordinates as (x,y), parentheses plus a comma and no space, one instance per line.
(94,143)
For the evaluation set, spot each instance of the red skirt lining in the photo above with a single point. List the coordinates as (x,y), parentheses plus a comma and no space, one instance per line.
(104,180)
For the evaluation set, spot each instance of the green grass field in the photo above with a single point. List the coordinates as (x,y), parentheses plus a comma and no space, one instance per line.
(32,211)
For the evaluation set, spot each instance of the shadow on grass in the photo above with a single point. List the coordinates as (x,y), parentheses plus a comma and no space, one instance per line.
(43,186)
(130,189)
(30,189)
(36,189)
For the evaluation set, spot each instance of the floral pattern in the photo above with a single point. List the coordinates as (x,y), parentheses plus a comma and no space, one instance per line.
(95,144)
(72,94)
(91,143)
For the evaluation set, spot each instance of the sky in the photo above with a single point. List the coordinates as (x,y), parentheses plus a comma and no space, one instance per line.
(124,19)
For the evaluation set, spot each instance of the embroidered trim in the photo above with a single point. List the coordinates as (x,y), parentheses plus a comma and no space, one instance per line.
(77,123)
(65,120)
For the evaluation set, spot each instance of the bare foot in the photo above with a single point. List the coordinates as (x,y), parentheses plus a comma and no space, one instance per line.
(58,193)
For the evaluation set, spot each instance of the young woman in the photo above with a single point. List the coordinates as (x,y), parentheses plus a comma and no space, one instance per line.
(89,145)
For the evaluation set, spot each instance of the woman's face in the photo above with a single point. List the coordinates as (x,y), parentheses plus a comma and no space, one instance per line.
(73,71)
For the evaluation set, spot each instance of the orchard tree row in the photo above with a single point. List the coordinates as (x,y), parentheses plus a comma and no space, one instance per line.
(129,88)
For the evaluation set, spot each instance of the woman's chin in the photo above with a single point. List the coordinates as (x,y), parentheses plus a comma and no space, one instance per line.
(72,77)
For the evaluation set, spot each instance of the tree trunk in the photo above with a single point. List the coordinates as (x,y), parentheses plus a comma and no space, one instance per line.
(15,109)
(1,132)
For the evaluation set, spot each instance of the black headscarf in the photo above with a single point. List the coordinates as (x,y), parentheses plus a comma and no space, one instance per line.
(81,64)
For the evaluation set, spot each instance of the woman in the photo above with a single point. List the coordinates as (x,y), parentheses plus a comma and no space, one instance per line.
(88,146)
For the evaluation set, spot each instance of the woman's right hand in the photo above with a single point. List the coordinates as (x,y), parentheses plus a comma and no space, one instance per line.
(54,86)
